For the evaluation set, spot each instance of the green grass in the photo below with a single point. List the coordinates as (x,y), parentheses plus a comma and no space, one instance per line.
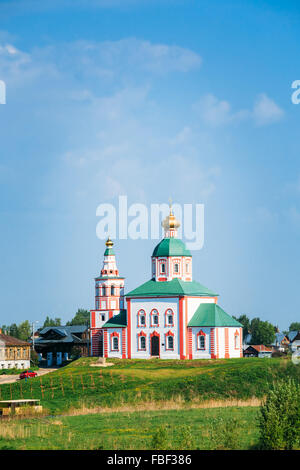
(209,427)
(136,381)
(16,371)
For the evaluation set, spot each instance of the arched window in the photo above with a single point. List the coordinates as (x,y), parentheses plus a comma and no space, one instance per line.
(163,267)
(169,317)
(154,315)
(104,291)
(201,340)
(114,338)
(170,341)
(112,291)
(236,340)
(141,316)
(176,268)
(141,341)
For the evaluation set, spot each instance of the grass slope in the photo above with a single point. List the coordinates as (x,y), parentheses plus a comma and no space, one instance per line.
(220,428)
(140,381)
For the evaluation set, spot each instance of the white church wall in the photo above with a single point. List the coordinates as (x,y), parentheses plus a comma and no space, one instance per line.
(194,302)
(233,352)
(201,353)
(161,305)
(111,351)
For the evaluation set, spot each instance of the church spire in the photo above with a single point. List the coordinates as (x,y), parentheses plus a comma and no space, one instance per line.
(170,224)
(109,262)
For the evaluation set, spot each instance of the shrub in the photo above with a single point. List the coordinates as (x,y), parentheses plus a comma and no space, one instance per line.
(186,440)
(279,416)
(224,433)
(160,439)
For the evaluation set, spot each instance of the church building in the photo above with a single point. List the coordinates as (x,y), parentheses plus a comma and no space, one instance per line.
(171,316)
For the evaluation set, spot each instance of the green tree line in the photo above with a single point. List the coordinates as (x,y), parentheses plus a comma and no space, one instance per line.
(23,330)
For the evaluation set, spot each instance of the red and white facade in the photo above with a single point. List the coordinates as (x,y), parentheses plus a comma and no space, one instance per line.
(157,325)
(109,301)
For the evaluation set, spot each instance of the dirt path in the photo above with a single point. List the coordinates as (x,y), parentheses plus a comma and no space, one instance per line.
(9,379)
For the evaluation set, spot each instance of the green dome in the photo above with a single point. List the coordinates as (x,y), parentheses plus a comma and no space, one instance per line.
(171,247)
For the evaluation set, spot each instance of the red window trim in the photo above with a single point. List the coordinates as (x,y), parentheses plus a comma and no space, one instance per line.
(145,336)
(170,333)
(166,317)
(201,333)
(151,317)
(160,262)
(176,261)
(141,312)
(112,336)
(236,334)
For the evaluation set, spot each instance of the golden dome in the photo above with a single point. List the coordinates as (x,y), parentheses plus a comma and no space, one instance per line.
(109,243)
(170,222)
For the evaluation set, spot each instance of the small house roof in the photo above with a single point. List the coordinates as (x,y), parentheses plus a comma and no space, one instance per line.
(12,341)
(260,348)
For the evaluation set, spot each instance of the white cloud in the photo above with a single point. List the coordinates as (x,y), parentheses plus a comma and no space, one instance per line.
(215,112)
(266,111)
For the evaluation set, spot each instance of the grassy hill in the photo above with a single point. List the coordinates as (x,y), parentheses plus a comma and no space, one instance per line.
(132,382)
(218,428)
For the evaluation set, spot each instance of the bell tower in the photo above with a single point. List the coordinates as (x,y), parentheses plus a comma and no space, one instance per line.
(109,296)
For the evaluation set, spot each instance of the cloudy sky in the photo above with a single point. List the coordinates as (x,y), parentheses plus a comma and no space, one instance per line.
(149,99)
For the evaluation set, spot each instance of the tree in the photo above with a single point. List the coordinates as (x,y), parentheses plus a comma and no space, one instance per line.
(295,326)
(13,330)
(52,322)
(24,330)
(82,317)
(244,320)
(279,416)
(262,332)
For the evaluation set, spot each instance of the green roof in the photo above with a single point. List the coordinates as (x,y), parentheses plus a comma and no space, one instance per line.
(109,251)
(118,321)
(175,287)
(212,315)
(171,247)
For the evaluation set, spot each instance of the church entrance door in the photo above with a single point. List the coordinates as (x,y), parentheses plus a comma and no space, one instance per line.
(155,346)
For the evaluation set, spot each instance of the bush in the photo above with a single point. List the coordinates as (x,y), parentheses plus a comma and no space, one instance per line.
(34,358)
(187,439)
(160,439)
(279,416)
(224,433)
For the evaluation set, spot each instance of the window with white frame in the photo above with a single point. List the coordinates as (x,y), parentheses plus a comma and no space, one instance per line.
(176,268)
(170,342)
(163,268)
(141,318)
(142,343)
(115,343)
(154,317)
(201,341)
(236,341)
(112,290)
(169,317)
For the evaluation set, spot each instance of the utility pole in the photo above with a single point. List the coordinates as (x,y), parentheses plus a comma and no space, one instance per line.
(33,333)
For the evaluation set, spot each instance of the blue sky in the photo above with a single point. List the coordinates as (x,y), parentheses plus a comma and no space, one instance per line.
(152,99)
